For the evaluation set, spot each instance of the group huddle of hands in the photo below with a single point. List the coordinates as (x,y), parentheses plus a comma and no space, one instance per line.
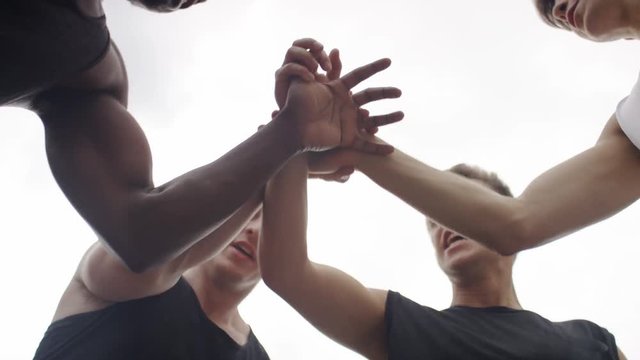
(327,117)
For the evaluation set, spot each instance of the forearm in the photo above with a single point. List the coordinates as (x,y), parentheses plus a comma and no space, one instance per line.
(331,300)
(445,197)
(589,187)
(174,216)
(217,240)
(283,247)
(102,161)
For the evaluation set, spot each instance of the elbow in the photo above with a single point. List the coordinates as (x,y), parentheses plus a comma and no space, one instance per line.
(136,264)
(281,277)
(517,235)
(132,256)
(136,251)
(507,248)
(271,278)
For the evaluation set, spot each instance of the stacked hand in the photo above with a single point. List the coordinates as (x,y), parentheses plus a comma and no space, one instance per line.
(321,106)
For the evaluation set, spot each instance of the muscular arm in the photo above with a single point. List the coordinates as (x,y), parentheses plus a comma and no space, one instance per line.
(334,302)
(585,189)
(107,278)
(101,159)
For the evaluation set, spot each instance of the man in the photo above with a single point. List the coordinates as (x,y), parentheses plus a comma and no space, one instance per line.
(184,309)
(485,320)
(59,61)
(585,189)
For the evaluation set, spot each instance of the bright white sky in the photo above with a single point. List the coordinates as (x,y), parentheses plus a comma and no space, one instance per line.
(485,82)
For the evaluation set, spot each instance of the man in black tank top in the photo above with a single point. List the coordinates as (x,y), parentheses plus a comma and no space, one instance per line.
(485,320)
(186,309)
(57,59)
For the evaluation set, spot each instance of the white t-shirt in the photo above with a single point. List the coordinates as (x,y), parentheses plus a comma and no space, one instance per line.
(628,115)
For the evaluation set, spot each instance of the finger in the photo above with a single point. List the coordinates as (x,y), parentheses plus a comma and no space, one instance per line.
(372,147)
(286,72)
(308,43)
(301,56)
(316,49)
(369,122)
(336,65)
(372,130)
(273,115)
(372,94)
(362,73)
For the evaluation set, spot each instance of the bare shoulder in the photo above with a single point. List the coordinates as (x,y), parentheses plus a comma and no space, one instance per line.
(102,279)
(106,278)
(77,299)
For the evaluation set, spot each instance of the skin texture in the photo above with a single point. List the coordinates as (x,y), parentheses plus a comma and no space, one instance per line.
(100,157)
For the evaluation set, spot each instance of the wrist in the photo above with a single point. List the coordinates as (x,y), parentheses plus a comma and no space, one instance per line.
(288,131)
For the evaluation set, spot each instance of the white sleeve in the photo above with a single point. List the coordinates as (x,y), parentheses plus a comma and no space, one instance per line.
(628,115)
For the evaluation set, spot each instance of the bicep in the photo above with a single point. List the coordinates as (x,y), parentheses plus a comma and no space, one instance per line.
(101,160)
(585,189)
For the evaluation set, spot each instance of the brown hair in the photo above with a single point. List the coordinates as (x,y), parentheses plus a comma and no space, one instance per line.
(545,10)
(488,178)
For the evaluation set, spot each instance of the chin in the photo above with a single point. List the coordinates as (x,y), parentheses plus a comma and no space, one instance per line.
(604,26)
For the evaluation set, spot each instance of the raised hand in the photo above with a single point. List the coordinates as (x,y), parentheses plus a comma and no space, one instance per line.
(327,115)
(321,106)
(301,61)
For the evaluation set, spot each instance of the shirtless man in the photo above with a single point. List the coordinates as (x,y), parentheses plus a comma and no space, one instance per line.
(59,61)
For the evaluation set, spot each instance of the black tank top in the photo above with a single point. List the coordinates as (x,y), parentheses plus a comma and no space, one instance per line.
(43,42)
(416,332)
(169,326)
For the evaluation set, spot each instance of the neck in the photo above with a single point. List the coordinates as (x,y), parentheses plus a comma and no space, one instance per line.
(485,290)
(219,299)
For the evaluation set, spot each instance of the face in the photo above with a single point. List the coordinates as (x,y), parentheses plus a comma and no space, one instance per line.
(239,260)
(597,20)
(460,257)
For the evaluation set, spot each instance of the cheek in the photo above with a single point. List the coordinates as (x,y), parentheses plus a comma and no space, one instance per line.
(603,21)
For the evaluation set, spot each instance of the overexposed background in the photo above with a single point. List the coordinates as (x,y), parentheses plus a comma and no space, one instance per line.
(484,82)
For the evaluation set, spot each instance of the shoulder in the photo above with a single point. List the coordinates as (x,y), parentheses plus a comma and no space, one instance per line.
(107,78)
(587,334)
(403,314)
(107,278)
(582,327)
